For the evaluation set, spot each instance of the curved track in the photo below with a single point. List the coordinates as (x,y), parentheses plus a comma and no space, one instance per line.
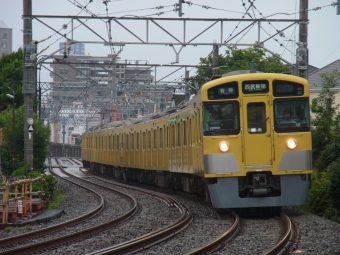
(123,248)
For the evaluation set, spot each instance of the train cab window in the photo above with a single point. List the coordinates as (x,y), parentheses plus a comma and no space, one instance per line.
(256,118)
(291,115)
(221,118)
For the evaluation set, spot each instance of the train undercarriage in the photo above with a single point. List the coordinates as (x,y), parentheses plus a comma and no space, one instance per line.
(190,184)
(255,190)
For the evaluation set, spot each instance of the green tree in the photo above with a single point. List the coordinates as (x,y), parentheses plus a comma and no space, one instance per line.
(11,77)
(334,184)
(324,194)
(326,122)
(318,199)
(41,136)
(238,59)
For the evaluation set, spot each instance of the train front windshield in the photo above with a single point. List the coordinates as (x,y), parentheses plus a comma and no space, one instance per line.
(221,118)
(291,115)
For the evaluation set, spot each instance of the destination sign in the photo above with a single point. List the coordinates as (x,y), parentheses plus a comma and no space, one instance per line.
(223,91)
(253,87)
(287,88)
(226,91)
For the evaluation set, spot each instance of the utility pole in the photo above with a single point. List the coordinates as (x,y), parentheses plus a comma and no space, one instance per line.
(215,64)
(178,7)
(28,88)
(302,50)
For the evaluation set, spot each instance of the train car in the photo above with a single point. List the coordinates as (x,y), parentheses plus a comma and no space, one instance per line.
(243,141)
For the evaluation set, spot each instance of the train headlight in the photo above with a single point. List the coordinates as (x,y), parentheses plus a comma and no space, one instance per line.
(224,146)
(291,143)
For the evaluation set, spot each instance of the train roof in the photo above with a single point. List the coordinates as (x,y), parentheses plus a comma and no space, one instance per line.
(240,72)
(140,119)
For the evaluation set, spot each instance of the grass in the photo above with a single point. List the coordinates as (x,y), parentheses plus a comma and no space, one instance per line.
(54,203)
(28,227)
(9,229)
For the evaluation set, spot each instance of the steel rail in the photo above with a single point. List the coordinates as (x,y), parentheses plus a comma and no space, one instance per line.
(44,231)
(152,238)
(282,245)
(226,236)
(67,238)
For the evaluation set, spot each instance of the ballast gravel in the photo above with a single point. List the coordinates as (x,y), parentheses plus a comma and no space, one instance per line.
(317,235)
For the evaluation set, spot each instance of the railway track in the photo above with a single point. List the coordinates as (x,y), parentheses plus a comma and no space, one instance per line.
(15,246)
(252,239)
(279,247)
(131,246)
(287,238)
(140,243)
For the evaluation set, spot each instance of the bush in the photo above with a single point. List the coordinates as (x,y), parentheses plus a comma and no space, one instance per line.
(334,184)
(55,201)
(47,184)
(318,199)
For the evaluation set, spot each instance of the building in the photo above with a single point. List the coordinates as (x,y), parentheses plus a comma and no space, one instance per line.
(6,39)
(92,86)
(315,80)
(99,69)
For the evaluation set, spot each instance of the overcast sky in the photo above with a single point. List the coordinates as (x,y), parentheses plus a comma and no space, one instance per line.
(323,29)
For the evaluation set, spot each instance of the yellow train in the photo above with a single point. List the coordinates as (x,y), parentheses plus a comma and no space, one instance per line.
(243,141)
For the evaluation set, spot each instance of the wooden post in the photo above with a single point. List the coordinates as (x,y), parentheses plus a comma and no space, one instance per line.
(31,183)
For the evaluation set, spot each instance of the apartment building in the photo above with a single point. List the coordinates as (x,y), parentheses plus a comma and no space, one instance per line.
(5,39)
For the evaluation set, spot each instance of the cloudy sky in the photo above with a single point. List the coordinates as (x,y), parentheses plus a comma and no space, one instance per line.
(323,29)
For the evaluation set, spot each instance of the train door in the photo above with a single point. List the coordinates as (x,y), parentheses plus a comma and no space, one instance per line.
(257,131)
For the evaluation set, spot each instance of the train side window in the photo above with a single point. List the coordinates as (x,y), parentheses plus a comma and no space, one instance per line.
(179,135)
(184,133)
(154,138)
(137,141)
(256,118)
(200,130)
(149,140)
(161,138)
(173,136)
(132,141)
(190,132)
(144,142)
(166,137)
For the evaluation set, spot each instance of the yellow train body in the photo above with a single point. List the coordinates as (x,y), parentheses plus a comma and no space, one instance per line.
(267,160)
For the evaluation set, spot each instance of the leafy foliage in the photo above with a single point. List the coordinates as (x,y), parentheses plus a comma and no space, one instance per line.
(48,184)
(334,184)
(55,202)
(238,59)
(324,194)
(318,196)
(326,121)
(11,77)
(13,137)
